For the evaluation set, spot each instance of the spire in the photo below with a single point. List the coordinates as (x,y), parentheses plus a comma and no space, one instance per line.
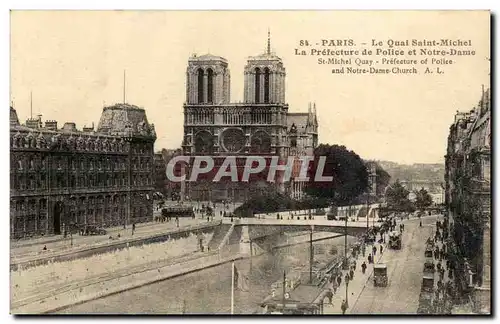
(124,85)
(315,116)
(268,41)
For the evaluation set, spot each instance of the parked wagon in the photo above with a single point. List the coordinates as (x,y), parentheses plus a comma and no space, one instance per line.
(92,230)
(380,275)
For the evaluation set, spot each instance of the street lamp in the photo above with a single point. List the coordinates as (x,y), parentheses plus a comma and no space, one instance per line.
(367,212)
(347,293)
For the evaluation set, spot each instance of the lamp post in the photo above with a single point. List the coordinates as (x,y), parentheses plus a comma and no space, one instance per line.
(347,293)
(367,212)
(345,239)
(311,254)
(71,233)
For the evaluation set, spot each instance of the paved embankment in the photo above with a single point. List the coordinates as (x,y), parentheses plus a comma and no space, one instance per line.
(106,246)
(105,285)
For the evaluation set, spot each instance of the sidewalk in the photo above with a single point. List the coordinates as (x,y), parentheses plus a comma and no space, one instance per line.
(356,285)
(54,241)
(143,231)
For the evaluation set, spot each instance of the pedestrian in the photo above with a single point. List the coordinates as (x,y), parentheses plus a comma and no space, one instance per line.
(351,274)
(369,258)
(420,223)
(339,280)
(343,307)
(374,249)
(381,249)
(363,267)
(133,228)
(45,248)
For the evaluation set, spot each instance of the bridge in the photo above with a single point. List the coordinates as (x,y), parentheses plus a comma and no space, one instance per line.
(259,228)
(431,186)
(263,231)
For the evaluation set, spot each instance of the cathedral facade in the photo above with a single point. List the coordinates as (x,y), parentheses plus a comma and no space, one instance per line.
(62,176)
(261,125)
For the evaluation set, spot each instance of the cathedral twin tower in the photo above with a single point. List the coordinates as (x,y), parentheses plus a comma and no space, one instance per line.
(208,80)
(260,125)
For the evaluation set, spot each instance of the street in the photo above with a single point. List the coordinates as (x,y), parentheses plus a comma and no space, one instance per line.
(26,249)
(404,270)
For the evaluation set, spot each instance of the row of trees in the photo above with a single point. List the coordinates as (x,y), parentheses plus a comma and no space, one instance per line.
(350,182)
(398,198)
(349,186)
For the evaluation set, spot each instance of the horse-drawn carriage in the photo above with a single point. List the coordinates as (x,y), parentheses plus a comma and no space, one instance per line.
(380,275)
(89,229)
(429,267)
(426,295)
(170,212)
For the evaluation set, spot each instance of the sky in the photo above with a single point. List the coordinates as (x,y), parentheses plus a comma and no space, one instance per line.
(73,63)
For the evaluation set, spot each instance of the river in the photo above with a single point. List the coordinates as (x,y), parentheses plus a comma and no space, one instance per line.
(209,291)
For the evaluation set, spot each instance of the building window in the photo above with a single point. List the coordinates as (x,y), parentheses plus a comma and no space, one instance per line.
(200,86)
(257,85)
(210,85)
(266,85)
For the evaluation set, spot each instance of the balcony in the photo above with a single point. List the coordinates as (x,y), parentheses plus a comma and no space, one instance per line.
(480,186)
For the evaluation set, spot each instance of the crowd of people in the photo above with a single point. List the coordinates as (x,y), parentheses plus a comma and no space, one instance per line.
(445,293)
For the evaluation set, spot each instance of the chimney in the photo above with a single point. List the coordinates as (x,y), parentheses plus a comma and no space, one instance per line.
(69,127)
(51,125)
(32,123)
(88,129)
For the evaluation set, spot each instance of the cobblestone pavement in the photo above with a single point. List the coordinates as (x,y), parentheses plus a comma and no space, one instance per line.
(404,270)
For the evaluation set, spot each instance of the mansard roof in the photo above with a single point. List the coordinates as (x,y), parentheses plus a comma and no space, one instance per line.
(124,119)
(14,121)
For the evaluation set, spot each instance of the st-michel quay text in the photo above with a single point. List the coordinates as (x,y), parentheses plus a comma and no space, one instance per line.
(386,56)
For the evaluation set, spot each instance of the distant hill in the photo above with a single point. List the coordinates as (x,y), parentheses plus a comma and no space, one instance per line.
(416,171)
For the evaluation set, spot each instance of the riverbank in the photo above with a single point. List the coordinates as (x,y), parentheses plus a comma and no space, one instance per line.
(106,285)
(54,299)
(64,253)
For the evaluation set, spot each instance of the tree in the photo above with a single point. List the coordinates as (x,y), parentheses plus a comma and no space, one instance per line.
(350,177)
(397,198)
(383,179)
(423,199)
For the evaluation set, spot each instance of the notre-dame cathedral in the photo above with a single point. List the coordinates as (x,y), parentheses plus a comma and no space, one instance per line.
(260,125)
